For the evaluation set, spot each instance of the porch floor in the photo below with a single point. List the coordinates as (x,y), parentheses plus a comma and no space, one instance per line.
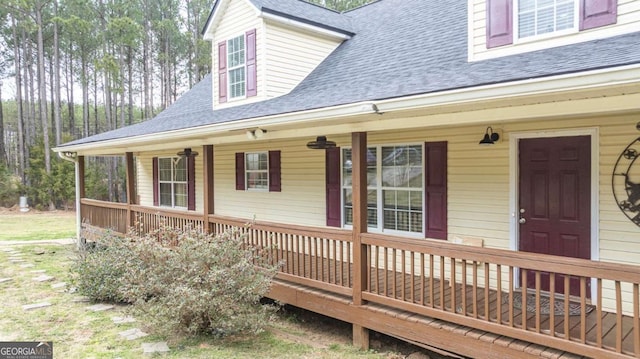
(427,331)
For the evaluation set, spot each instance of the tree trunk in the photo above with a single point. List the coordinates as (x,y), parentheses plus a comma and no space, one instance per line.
(18,71)
(42,94)
(56,79)
(3,152)
(84,78)
(70,103)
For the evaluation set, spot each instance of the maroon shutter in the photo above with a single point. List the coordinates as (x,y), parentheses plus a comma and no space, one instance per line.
(252,74)
(222,71)
(435,189)
(156,182)
(240,184)
(274,171)
(499,23)
(596,13)
(333,187)
(191,183)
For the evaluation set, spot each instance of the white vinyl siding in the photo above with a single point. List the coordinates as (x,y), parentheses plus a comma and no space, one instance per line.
(628,21)
(302,200)
(237,18)
(291,55)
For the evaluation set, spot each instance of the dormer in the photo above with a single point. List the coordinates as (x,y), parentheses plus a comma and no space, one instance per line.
(264,48)
(507,27)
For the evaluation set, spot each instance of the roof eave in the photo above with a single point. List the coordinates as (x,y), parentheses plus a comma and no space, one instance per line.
(622,76)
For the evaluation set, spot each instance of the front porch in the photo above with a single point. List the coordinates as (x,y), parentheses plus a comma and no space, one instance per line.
(458,298)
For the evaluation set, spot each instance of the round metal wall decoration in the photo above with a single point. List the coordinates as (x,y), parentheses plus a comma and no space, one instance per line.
(625,181)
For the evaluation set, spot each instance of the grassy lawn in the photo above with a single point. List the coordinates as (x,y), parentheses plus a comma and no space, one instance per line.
(17,226)
(79,333)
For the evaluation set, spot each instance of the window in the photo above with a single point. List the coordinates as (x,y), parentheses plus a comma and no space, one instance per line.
(172,181)
(395,188)
(257,171)
(236,61)
(237,75)
(529,18)
(539,17)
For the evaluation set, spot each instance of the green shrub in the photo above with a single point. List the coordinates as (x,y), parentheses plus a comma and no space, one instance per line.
(99,268)
(183,282)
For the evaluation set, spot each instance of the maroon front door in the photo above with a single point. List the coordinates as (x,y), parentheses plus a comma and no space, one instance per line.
(555,201)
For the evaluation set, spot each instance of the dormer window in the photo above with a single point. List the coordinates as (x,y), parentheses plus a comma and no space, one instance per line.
(540,17)
(533,18)
(237,67)
(236,61)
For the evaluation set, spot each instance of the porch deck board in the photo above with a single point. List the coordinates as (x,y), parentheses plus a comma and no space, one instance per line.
(423,290)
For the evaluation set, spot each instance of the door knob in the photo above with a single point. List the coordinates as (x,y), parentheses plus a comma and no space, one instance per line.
(522,220)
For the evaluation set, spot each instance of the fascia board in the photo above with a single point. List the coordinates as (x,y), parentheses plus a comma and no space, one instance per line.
(608,77)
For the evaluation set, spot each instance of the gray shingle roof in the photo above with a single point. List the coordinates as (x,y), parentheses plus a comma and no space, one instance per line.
(306,12)
(400,48)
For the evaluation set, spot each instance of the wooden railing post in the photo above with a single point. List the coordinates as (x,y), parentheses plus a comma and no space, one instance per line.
(131,190)
(360,262)
(208,208)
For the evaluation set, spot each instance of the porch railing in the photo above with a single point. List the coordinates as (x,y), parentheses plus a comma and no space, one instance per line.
(319,257)
(474,287)
(106,215)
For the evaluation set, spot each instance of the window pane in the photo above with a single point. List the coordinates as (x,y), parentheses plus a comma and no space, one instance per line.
(545,21)
(257,162)
(181,194)
(526,25)
(165,194)
(236,51)
(565,16)
(526,5)
(372,167)
(372,208)
(403,210)
(348,206)
(181,170)
(346,167)
(257,180)
(164,169)
(415,203)
(402,166)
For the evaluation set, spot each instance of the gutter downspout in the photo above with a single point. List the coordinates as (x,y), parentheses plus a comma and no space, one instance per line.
(72,157)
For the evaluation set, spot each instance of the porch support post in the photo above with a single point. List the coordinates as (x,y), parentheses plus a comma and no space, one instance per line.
(360,262)
(131,190)
(80,194)
(207,158)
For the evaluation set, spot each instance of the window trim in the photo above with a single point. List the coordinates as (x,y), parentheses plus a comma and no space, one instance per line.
(173,182)
(379,188)
(265,171)
(538,37)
